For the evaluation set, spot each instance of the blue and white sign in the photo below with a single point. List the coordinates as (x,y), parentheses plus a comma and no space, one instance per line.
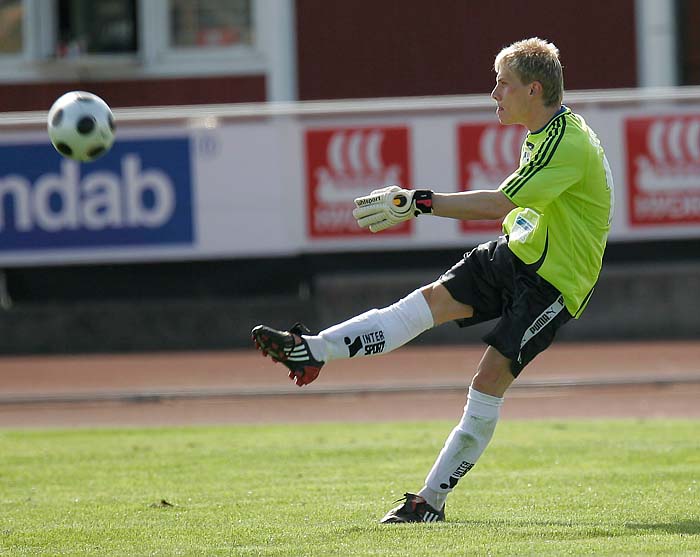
(139,194)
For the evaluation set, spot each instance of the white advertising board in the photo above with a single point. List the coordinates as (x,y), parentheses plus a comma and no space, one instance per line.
(283,184)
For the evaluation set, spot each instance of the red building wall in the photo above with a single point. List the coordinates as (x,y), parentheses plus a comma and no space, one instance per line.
(386,48)
(147,92)
(689,50)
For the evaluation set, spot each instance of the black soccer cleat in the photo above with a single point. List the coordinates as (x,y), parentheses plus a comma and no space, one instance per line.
(414,509)
(289,348)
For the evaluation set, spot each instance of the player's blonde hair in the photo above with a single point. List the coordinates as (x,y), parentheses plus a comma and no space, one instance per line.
(535,59)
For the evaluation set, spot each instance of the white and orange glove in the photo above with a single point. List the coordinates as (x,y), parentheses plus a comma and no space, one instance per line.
(391,205)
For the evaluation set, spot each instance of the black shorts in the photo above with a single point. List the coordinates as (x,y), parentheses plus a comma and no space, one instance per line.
(497,284)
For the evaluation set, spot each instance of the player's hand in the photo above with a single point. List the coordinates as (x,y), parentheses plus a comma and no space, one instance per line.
(391,205)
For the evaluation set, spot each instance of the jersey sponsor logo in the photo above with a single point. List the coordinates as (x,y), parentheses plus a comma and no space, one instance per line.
(487,154)
(345,163)
(372,343)
(138,194)
(522,226)
(663,168)
(523,223)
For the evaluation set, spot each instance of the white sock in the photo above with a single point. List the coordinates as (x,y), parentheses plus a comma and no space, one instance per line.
(463,447)
(376,331)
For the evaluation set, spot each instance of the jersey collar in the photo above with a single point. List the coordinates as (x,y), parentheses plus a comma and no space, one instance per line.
(562,110)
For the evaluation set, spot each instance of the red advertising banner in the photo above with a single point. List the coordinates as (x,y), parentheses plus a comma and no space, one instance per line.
(345,163)
(663,169)
(487,154)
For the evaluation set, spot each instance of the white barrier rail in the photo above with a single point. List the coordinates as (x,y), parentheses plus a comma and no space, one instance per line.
(181,113)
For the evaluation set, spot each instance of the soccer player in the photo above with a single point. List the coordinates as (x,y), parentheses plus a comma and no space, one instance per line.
(556,210)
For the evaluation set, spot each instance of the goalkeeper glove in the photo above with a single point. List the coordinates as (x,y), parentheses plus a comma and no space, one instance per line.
(391,205)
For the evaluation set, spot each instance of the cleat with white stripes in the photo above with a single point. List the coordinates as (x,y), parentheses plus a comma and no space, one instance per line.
(413,509)
(290,349)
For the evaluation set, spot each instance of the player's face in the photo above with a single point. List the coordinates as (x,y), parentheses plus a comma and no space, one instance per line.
(512,97)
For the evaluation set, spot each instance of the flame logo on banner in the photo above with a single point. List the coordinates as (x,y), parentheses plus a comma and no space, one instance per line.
(343,164)
(500,148)
(487,155)
(355,167)
(663,168)
(673,160)
(498,155)
(357,150)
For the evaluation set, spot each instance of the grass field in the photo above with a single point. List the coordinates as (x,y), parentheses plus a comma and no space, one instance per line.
(541,488)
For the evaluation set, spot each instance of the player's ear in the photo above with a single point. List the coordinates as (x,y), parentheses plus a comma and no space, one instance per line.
(535,87)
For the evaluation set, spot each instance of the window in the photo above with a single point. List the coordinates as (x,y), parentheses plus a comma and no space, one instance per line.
(45,40)
(206,36)
(11,15)
(210,23)
(96,27)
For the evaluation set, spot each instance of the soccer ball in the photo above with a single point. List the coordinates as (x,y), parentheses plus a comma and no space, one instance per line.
(81,126)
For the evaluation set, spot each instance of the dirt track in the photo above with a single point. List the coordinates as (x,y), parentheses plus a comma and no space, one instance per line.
(642,380)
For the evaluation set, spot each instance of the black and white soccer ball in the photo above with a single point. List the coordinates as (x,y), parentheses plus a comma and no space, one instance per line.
(81,126)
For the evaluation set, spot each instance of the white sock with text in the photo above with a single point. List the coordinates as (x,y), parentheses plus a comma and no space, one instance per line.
(463,447)
(376,331)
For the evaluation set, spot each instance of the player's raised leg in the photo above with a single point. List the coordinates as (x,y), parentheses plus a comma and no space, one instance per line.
(376,331)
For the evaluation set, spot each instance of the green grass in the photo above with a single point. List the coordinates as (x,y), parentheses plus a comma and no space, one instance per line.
(542,488)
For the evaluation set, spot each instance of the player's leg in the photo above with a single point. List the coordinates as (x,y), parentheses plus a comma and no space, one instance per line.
(494,374)
(541,312)
(534,312)
(472,434)
(464,445)
(379,331)
(376,331)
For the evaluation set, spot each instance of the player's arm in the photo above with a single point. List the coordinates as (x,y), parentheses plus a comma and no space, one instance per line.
(388,206)
(472,205)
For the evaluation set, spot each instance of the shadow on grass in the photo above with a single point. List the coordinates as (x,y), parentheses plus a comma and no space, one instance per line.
(686,527)
(680,527)
(563,529)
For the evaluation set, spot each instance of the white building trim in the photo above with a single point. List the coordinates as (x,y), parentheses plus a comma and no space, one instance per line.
(657,61)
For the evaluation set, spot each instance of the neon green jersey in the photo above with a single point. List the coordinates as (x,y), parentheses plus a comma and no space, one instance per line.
(564,193)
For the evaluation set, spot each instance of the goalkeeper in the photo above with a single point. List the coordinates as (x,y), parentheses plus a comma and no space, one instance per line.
(556,209)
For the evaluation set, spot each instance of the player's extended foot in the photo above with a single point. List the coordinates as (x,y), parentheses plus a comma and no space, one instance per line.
(289,348)
(413,509)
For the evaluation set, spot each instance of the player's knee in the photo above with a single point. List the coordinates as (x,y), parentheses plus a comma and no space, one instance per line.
(492,381)
(484,384)
(443,306)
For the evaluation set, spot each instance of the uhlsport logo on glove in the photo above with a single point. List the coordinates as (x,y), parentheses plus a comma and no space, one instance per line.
(343,164)
(368,200)
(389,206)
